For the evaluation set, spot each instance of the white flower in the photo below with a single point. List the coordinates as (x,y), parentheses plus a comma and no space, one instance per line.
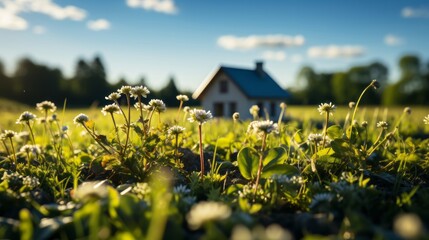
(263,127)
(111,108)
(204,212)
(254,110)
(382,124)
(182,98)
(113,96)
(8,134)
(34,149)
(91,190)
(139,91)
(199,115)
(25,118)
(46,106)
(81,119)
(157,105)
(126,90)
(175,130)
(327,108)
(236,116)
(186,109)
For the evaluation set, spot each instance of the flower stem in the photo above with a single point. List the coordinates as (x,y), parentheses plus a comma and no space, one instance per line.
(258,174)
(325,129)
(128,126)
(201,151)
(358,101)
(13,151)
(31,133)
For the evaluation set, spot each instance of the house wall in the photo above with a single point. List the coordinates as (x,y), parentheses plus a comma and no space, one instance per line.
(234,94)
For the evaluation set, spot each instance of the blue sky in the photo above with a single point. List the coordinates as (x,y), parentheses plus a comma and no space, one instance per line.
(189,39)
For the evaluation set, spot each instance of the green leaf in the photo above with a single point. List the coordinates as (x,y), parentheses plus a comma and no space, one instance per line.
(248,159)
(275,156)
(279,169)
(335,132)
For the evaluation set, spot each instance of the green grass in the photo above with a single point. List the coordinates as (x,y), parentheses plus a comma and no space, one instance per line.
(359,182)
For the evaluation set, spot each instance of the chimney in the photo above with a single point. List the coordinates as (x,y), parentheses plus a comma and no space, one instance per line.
(260,68)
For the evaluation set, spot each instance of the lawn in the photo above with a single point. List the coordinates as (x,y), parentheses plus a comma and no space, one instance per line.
(153,174)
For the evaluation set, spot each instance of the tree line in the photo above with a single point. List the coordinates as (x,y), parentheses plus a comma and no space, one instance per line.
(34,82)
(412,87)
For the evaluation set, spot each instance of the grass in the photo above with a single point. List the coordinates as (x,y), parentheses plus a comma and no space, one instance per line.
(359,181)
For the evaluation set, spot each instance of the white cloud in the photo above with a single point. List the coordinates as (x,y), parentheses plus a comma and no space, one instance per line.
(393,40)
(99,24)
(274,55)
(39,30)
(9,20)
(409,12)
(11,9)
(334,51)
(163,6)
(254,41)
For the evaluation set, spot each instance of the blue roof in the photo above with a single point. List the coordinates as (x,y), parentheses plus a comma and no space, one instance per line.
(255,85)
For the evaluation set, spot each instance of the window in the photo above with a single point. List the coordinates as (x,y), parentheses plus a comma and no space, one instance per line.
(223,86)
(273,109)
(232,108)
(261,108)
(218,109)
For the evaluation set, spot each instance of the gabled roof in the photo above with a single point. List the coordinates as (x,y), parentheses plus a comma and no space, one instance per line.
(251,82)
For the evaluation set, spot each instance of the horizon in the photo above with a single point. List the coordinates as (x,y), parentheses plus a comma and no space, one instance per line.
(157,39)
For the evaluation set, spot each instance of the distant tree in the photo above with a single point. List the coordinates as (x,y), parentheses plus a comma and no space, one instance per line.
(34,82)
(341,88)
(5,83)
(169,92)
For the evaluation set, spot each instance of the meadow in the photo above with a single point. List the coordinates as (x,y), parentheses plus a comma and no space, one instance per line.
(137,170)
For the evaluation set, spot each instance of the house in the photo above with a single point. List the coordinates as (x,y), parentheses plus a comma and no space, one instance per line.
(228,90)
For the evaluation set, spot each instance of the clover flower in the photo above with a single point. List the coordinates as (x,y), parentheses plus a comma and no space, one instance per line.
(364,124)
(327,108)
(111,108)
(91,190)
(187,109)
(81,119)
(426,120)
(254,110)
(113,96)
(204,212)
(139,91)
(182,98)
(8,134)
(263,127)
(199,115)
(126,90)
(382,124)
(175,130)
(46,106)
(352,105)
(30,182)
(25,118)
(407,110)
(142,191)
(157,105)
(283,105)
(30,149)
(236,116)
(316,138)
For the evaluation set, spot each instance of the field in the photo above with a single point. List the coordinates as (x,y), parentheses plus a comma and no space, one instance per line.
(322,172)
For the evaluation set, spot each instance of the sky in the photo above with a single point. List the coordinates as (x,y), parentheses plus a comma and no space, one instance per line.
(188,39)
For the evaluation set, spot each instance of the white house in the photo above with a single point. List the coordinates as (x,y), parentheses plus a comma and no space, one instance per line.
(228,90)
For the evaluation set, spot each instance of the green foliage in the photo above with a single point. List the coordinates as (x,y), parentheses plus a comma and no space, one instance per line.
(127,176)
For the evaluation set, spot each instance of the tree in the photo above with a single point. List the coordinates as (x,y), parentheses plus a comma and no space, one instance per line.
(168,93)
(341,88)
